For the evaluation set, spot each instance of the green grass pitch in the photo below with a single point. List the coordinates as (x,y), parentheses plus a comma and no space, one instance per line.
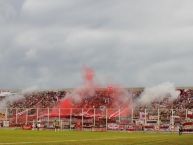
(22,137)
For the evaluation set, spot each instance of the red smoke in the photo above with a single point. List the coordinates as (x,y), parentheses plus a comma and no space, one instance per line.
(89,96)
(88,74)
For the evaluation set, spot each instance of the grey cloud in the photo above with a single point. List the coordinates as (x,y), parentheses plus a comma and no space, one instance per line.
(135,43)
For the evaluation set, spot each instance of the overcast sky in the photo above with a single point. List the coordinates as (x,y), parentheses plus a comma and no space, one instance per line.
(46,43)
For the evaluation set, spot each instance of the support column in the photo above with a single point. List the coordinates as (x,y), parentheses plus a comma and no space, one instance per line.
(172,121)
(6,114)
(82,119)
(119,115)
(59,114)
(186,113)
(16,117)
(37,113)
(94,118)
(132,115)
(48,116)
(70,117)
(145,116)
(172,116)
(26,117)
(158,117)
(61,125)
(106,120)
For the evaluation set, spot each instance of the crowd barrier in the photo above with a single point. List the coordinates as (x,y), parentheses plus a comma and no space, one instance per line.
(97,119)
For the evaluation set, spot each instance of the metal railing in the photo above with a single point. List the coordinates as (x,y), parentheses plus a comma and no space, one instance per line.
(85,118)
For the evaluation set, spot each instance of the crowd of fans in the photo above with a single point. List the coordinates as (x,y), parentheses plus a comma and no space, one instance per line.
(102,99)
(182,106)
(45,99)
(42,99)
(185,100)
(2,97)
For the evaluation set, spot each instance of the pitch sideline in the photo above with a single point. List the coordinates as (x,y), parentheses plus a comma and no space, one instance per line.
(71,140)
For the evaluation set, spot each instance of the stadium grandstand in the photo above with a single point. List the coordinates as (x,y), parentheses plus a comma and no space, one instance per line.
(97,112)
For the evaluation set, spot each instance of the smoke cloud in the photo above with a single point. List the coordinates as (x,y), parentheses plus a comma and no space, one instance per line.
(120,96)
(10,97)
(87,90)
(158,93)
(29,89)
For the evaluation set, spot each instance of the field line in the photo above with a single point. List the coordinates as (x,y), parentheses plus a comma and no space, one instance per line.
(71,140)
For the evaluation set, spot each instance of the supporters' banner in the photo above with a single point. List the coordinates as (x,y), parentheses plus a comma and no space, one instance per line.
(153,117)
(164,128)
(130,128)
(188,126)
(27,127)
(142,115)
(5,123)
(149,127)
(139,122)
(2,116)
(190,114)
(113,126)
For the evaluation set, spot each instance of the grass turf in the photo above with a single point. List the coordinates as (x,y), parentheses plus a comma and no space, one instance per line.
(22,137)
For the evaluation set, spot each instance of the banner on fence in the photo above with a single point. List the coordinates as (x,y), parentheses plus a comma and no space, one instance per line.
(5,123)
